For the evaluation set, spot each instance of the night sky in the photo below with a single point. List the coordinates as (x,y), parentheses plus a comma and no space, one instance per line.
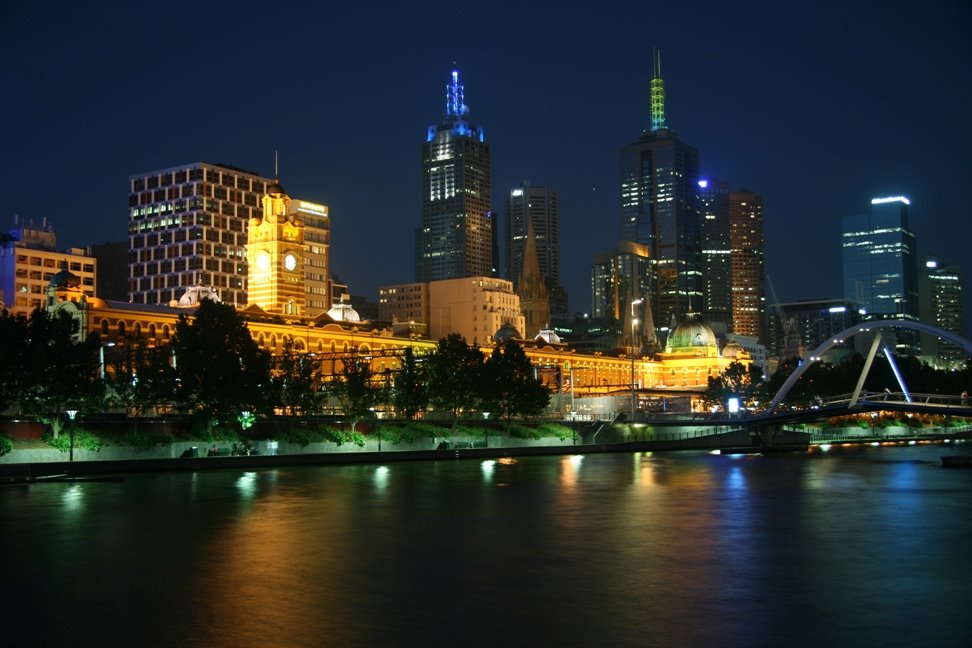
(817,106)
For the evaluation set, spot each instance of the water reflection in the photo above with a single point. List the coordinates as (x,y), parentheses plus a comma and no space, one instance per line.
(620,550)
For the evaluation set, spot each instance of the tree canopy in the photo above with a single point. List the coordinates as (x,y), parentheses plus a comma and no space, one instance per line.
(509,387)
(220,370)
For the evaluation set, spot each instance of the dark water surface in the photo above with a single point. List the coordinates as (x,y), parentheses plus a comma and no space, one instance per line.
(866,546)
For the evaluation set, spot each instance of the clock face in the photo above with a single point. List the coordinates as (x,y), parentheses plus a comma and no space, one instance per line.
(290,262)
(263,262)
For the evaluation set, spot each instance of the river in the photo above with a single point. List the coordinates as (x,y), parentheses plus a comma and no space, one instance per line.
(855,546)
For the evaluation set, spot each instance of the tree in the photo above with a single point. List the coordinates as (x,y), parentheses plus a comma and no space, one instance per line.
(736,381)
(60,371)
(296,382)
(454,376)
(510,387)
(14,333)
(356,389)
(410,394)
(220,370)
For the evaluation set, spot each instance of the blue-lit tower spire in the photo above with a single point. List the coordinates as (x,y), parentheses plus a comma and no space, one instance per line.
(657,95)
(455,107)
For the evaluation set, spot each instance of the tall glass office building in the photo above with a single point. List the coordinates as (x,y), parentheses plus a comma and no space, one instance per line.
(880,264)
(659,208)
(457,237)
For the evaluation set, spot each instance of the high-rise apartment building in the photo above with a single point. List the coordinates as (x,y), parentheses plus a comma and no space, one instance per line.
(659,208)
(29,259)
(188,227)
(940,304)
(529,206)
(457,237)
(716,251)
(880,264)
(747,262)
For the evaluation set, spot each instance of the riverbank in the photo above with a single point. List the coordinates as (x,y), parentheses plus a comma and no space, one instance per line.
(39,463)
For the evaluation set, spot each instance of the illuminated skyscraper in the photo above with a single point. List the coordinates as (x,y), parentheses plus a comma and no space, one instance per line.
(457,237)
(747,263)
(880,264)
(940,303)
(716,265)
(659,208)
(528,206)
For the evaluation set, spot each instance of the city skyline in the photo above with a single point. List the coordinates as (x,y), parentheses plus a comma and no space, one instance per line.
(817,115)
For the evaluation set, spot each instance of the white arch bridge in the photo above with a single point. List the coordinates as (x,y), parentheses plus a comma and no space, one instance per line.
(903,400)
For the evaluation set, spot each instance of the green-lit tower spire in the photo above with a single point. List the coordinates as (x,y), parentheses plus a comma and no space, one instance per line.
(657,95)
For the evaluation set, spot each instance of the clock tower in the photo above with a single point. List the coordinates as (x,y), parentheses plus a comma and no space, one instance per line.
(275,256)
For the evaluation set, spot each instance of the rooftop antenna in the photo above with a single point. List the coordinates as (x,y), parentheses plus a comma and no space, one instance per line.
(276,164)
(455,107)
(657,93)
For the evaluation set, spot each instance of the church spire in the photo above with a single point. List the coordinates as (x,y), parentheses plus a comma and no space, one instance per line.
(657,94)
(532,289)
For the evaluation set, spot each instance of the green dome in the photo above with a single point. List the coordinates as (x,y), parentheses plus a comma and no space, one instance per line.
(691,335)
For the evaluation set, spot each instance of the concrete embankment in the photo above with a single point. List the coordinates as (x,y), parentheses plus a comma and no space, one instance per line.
(33,470)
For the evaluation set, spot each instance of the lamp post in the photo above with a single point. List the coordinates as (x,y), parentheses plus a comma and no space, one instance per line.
(486,429)
(71,414)
(634,350)
(101,357)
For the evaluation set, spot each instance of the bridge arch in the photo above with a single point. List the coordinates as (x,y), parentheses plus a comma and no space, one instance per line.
(864,327)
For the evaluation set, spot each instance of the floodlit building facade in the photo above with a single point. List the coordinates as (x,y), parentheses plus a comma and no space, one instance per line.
(188,227)
(29,259)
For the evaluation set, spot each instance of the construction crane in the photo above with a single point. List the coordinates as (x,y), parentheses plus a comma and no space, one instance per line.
(792,345)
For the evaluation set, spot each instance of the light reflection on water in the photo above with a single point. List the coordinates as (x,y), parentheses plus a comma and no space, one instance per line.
(862,546)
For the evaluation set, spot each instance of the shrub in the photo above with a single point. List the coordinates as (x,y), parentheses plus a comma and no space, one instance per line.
(524,432)
(556,430)
(83,440)
(6,445)
(344,436)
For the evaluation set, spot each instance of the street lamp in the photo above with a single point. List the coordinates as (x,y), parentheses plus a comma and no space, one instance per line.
(634,350)
(71,414)
(486,430)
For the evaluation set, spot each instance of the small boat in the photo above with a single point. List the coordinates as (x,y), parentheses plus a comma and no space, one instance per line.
(957,461)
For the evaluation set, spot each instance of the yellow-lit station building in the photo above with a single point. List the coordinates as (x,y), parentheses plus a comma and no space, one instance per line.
(277,313)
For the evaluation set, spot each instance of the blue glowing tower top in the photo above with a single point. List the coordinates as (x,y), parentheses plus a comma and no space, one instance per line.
(456,111)
(657,95)
(455,108)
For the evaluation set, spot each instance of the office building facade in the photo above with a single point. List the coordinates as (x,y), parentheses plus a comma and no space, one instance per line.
(880,265)
(457,237)
(747,261)
(716,251)
(940,304)
(188,228)
(29,258)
